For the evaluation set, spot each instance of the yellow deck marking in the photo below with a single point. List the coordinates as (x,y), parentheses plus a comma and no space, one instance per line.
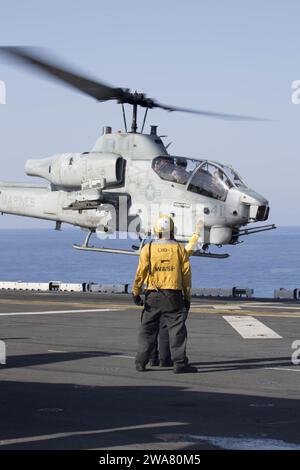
(55,302)
(215,309)
(247,312)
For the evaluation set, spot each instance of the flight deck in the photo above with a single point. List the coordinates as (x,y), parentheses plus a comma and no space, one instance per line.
(69,381)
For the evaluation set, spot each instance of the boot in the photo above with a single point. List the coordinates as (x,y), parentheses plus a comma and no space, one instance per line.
(140,367)
(184,369)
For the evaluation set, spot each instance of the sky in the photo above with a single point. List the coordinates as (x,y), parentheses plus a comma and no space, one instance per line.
(222,55)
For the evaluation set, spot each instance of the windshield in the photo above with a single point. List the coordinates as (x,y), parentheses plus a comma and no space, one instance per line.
(210,181)
(175,169)
(234,176)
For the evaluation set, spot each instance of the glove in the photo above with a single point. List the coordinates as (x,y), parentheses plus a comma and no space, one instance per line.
(187,304)
(138,300)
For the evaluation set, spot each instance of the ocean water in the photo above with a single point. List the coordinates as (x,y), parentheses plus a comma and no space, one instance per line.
(263,262)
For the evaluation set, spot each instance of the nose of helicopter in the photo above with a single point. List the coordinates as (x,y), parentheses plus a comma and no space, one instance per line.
(257,204)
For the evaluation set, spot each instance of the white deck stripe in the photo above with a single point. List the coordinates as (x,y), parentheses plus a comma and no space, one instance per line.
(283,368)
(49,312)
(60,435)
(91,354)
(251,328)
(122,356)
(56,351)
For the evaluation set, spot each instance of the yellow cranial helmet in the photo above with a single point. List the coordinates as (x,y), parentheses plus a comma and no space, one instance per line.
(164,226)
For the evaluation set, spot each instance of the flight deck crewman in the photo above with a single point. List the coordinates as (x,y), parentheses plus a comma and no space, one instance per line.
(161,354)
(165,270)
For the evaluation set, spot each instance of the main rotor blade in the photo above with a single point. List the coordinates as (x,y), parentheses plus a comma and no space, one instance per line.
(212,114)
(98,90)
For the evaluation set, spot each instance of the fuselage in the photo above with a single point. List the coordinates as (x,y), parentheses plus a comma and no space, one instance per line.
(126,180)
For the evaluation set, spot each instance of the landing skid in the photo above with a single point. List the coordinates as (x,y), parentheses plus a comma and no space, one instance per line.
(203,254)
(106,250)
(136,250)
(85,247)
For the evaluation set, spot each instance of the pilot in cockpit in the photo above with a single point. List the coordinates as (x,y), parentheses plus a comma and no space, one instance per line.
(218,175)
(180,174)
(164,166)
(171,171)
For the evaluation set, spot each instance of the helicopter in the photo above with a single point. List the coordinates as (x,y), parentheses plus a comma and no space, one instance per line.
(129,177)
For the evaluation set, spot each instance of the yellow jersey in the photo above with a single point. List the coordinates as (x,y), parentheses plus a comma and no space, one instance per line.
(164,264)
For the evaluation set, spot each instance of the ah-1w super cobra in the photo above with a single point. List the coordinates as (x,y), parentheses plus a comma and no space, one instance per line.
(129,177)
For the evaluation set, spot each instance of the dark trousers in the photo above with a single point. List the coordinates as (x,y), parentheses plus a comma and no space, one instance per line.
(166,306)
(161,351)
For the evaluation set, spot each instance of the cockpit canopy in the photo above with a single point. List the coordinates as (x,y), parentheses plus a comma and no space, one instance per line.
(175,169)
(201,176)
